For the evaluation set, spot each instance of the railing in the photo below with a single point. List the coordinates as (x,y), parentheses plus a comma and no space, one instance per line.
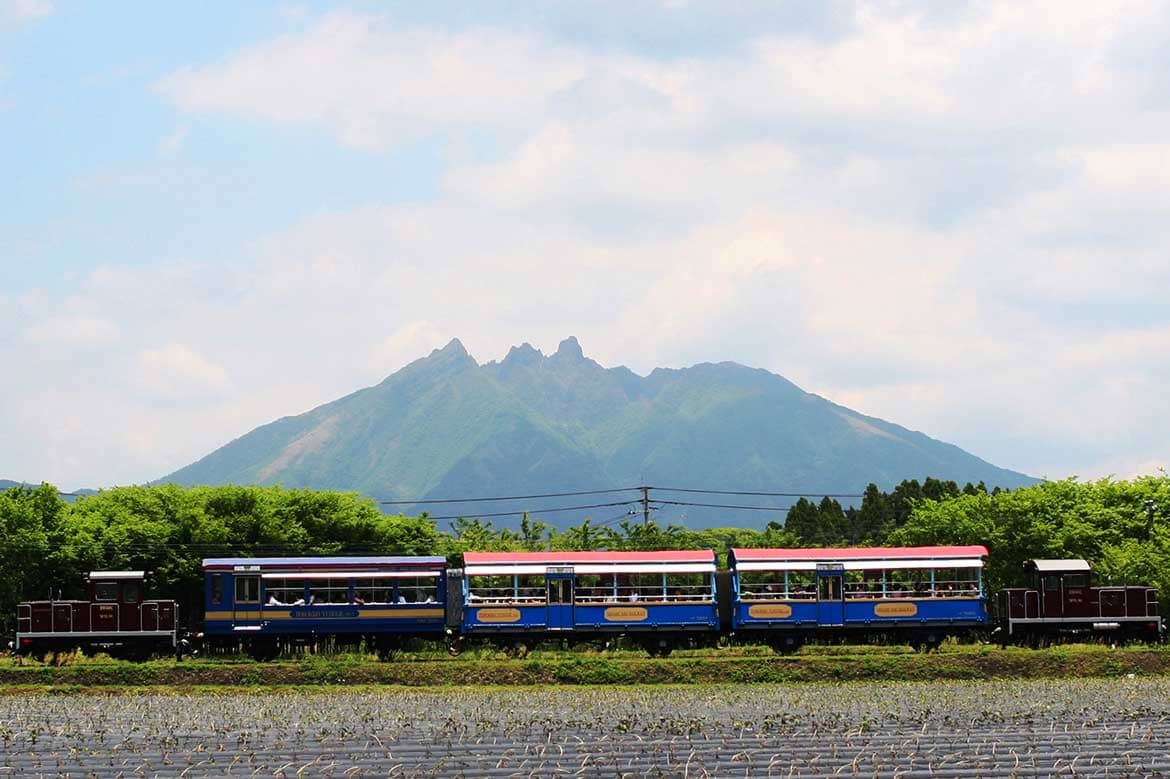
(855,591)
(653,593)
(488,596)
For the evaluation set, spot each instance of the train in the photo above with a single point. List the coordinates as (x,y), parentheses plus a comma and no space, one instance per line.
(658,600)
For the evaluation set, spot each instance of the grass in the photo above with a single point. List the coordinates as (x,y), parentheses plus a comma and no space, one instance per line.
(487,667)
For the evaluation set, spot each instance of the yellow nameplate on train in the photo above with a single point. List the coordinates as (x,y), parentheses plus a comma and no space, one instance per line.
(770,611)
(626,614)
(896,609)
(498,615)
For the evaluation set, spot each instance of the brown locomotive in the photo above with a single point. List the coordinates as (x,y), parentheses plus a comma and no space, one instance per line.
(1062,604)
(114,619)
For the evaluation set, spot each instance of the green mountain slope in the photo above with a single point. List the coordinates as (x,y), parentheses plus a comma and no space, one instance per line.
(445,426)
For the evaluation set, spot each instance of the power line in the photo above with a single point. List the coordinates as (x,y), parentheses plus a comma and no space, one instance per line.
(505,497)
(762,494)
(535,511)
(724,506)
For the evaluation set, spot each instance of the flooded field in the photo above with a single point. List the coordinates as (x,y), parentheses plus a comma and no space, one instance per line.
(1031,728)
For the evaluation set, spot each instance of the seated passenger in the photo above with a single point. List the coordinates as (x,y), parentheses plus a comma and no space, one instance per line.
(272,601)
(359,600)
(299,602)
(633,596)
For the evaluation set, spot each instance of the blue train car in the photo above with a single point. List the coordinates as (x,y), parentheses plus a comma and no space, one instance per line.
(264,604)
(918,594)
(658,598)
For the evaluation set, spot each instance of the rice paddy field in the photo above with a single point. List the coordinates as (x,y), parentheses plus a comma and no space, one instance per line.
(1099,727)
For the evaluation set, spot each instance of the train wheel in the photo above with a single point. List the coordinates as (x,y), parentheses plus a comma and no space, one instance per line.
(263,651)
(660,647)
(786,645)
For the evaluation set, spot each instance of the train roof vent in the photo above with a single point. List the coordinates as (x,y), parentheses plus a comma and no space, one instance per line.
(1058,566)
(107,575)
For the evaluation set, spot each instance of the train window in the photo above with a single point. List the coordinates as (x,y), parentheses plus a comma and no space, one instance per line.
(802,585)
(1076,580)
(560,591)
(862,584)
(216,589)
(374,590)
(418,589)
(132,592)
(247,589)
(762,585)
(329,591)
(284,592)
(830,587)
(591,588)
(529,589)
(490,589)
(690,587)
(1051,583)
(105,591)
(900,583)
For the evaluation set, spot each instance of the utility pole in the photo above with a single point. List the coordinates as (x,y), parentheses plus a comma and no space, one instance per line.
(645,506)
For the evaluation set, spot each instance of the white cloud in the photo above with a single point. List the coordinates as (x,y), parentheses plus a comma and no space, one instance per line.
(374,84)
(24,10)
(72,331)
(177,372)
(957,225)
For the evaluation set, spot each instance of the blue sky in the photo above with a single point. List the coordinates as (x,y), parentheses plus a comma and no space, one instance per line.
(952,216)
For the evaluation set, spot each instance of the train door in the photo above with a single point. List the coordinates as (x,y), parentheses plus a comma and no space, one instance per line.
(246,603)
(560,598)
(1053,595)
(830,594)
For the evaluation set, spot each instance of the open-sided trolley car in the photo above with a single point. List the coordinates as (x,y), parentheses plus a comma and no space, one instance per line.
(918,594)
(658,598)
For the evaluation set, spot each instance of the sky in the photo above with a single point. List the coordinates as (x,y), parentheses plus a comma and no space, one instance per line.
(953,216)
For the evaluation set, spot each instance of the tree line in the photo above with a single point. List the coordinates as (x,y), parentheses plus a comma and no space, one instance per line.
(48,544)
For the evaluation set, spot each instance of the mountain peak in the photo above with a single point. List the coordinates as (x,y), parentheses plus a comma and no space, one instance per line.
(569,349)
(524,354)
(452,355)
(453,348)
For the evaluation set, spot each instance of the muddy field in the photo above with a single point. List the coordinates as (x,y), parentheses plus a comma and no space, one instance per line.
(1031,728)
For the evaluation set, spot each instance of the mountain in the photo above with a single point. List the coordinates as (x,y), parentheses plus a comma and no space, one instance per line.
(445,426)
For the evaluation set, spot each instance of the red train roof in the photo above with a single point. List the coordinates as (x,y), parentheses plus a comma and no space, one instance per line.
(573,558)
(861,553)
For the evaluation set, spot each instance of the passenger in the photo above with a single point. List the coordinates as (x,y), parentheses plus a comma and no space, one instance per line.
(299,602)
(359,600)
(272,601)
(633,596)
